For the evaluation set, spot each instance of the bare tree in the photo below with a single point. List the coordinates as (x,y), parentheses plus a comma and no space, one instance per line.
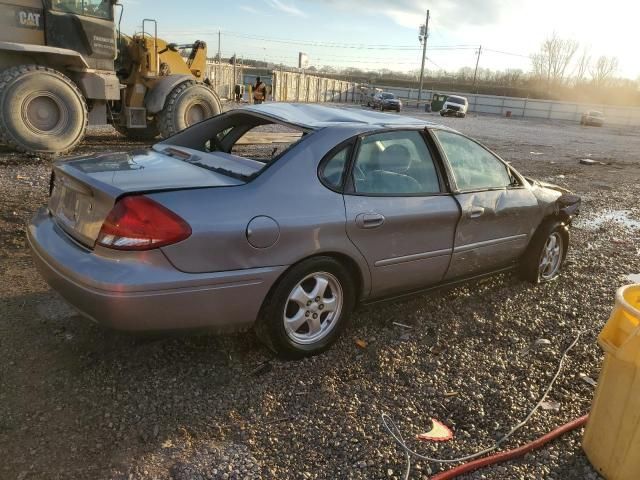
(603,69)
(582,67)
(555,55)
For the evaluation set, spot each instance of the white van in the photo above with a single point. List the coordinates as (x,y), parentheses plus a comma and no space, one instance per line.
(455,105)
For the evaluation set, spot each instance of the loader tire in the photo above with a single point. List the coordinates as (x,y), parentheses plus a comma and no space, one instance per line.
(41,111)
(187,104)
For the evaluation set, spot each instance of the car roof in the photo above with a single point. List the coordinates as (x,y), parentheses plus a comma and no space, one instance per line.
(315,116)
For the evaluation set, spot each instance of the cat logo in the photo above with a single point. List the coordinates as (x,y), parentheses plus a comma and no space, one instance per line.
(29,19)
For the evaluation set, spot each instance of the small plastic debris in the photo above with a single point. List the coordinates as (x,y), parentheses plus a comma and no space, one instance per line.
(561,176)
(402,325)
(542,342)
(536,153)
(22,177)
(549,405)
(361,343)
(439,432)
(587,379)
(450,394)
(587,161)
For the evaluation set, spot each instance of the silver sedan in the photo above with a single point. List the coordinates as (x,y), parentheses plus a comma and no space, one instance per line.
(284,217)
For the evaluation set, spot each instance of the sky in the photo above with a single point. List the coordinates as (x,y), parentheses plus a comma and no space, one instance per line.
(377,34)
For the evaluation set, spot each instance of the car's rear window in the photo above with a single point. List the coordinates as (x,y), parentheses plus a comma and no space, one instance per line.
(458,100)
(237,144)
(265,142)
(388,95)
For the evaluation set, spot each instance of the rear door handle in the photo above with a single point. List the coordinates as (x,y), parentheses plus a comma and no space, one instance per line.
(476,212)
(369,220)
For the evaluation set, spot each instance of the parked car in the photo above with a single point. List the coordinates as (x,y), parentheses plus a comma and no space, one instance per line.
(593,118)
(387,101)
(455,106)
(212,229)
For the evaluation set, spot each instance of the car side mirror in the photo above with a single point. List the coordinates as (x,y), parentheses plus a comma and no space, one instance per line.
(172,46)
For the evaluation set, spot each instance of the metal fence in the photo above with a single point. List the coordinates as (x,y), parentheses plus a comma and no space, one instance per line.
(224,77)
(300,87)
(527,107)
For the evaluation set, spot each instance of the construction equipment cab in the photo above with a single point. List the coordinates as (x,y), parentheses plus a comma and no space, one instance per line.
(64,65)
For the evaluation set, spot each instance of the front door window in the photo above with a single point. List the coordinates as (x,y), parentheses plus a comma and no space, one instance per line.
(474,167)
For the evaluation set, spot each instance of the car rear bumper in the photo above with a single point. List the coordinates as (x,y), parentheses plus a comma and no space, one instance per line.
(142,291)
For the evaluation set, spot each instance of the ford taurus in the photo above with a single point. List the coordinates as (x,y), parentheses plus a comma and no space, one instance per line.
(285,217)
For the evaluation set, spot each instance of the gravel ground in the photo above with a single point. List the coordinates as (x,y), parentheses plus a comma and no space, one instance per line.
(78,401)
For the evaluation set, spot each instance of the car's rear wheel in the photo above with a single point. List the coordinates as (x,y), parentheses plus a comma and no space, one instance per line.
(308,308)
(542,262)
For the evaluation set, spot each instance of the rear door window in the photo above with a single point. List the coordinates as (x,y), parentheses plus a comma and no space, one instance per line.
(395,163)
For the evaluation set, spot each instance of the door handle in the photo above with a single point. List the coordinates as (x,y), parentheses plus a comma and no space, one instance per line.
(476,212)
(369,220)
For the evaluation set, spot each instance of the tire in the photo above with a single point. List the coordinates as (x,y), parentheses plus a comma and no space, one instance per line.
(41,111)
(149,133)
(441,113)
(398,110)
(187,104)
(279,305)
(531,266)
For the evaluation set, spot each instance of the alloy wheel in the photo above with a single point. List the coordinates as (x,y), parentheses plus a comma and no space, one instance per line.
(313,308)
(551,256)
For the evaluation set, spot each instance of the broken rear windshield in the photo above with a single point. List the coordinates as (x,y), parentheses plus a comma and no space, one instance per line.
(457,100)
(236,144)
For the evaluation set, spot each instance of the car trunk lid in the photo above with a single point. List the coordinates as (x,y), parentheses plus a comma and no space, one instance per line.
(85,189)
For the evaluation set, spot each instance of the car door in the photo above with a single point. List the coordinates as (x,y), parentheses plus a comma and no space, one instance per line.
(398,213)
(499,213)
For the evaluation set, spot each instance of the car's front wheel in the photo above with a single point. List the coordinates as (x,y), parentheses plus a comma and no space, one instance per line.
(545,255)
(308,308)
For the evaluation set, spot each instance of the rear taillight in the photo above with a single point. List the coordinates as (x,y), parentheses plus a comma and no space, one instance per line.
(139,223)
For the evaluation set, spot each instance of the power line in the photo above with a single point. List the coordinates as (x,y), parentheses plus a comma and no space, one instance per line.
(506,53)
(322,44)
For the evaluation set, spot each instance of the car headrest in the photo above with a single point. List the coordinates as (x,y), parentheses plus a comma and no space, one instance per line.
(395,158)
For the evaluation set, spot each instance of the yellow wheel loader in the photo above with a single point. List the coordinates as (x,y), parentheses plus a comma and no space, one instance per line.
(64,65)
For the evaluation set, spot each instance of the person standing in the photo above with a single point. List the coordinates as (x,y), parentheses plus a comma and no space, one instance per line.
(259,92)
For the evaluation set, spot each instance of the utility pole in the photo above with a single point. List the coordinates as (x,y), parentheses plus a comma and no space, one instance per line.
(475,74)
(235,80)
(423,38)
(219,55)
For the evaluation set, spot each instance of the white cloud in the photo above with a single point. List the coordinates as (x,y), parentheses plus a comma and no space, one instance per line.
(289,9)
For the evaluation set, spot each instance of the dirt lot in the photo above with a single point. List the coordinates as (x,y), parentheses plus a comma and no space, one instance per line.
(77,401)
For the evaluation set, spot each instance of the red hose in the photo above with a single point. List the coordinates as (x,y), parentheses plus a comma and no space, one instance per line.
(510,454)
